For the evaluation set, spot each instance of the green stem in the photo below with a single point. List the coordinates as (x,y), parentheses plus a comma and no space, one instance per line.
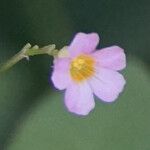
(26,52)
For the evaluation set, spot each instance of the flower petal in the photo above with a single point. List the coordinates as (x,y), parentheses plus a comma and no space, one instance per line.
(83,43)
(60,75)
(79,98)
(111,57)
(107,84)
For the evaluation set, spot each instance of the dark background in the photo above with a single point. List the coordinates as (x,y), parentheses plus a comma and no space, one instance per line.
(32,113)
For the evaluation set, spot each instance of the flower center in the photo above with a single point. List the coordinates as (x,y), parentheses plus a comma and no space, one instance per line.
(82,67)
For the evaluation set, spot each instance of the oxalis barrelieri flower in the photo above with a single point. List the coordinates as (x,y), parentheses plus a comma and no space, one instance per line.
(84,71)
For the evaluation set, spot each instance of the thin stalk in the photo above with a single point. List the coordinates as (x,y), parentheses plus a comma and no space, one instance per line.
(26,52)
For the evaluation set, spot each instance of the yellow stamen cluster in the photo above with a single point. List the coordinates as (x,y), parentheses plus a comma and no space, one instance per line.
(82,67)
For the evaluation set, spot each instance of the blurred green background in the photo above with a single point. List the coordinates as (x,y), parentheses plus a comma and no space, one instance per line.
(32,112)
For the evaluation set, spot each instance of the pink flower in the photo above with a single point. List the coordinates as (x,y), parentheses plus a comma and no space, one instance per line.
(82,71)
